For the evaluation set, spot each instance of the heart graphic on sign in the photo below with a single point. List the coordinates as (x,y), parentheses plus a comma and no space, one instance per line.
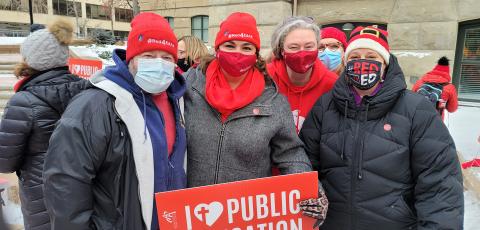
(208,213)
(77,68)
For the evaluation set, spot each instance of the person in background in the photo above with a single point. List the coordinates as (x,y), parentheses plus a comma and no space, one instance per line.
(297,71)
(122,140)
(44,90)
(332,49)
(190,50)
(384,157)
(34,27)
(237,123)
(437,87)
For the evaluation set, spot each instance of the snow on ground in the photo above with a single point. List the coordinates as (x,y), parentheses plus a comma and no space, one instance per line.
(12,212)
(465,130)
(472,211)
(102,52)
(11,40)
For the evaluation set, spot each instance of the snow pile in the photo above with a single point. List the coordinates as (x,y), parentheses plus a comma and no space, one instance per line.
(412,54)
(102,52)
(11,40)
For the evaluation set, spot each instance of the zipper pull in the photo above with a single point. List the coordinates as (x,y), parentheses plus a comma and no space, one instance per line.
(171,165)
(360,176)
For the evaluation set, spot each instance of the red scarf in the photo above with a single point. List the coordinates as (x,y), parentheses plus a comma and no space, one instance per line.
(226,100)
(18,85)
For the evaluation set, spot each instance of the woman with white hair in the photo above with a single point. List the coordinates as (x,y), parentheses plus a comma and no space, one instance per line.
(299,74)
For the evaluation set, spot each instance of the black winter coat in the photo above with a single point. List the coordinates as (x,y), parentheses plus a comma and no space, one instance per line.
(387,164)
(28,121)
(92,135)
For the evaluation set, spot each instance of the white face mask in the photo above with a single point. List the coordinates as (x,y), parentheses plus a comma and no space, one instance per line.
(154,75)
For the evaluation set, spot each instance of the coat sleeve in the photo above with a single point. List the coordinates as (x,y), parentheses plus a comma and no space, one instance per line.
(287,149)
(15,129)
(77,147)
(436,172)
(452,102)
(310,135)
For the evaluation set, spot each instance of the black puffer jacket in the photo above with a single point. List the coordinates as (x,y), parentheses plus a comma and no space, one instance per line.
(25,130)
(389,163)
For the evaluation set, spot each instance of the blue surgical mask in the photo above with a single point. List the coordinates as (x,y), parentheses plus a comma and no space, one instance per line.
(154,75)
(331,59)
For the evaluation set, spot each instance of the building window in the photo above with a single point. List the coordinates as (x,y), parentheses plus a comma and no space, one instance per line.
(39,6)
(123,15)
(200,27)
(97,12)
(67,8)
(466,75)
(170,21)
(120,35)
(347,27)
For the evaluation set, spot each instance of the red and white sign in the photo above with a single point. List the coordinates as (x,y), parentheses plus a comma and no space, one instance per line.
(84,68)
(264,204)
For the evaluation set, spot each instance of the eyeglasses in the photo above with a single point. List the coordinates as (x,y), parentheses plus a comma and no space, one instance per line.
(334,46)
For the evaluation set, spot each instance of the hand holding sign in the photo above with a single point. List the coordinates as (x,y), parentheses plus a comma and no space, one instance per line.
(265,203)
(316,207)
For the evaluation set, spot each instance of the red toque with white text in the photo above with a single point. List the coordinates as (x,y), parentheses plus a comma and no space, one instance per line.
(238,26)
(150,32)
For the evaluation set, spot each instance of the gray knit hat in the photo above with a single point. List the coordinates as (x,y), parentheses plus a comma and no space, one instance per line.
(48,48)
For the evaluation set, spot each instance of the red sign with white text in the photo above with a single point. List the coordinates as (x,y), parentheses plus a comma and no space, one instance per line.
(265,203)
(84,68)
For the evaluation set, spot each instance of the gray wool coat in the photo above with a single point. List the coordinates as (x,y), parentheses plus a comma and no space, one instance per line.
(247,145)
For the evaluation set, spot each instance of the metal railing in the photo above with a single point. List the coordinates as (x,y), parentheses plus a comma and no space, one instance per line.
(14,33)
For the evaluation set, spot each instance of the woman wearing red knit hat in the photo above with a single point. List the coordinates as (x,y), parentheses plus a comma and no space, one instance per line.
(237,124)
(384,156)
(121,140)
(332,48)
(436,86)
(296,69)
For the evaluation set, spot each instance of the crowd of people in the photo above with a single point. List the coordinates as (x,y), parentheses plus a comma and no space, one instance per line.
(170,115)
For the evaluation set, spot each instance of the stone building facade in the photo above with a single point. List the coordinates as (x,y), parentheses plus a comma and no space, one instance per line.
(420,31)
(91,15)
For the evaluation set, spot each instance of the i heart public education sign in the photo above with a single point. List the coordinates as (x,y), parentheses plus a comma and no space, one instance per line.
(84,68)
(264,204)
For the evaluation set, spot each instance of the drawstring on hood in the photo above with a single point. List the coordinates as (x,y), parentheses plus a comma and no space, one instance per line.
(360,157)
(145,118)
(344,128)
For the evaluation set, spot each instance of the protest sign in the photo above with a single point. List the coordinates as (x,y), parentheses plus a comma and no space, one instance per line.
(264,203)
(84,68)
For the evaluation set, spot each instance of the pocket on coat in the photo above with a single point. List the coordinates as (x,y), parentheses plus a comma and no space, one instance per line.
(400,211)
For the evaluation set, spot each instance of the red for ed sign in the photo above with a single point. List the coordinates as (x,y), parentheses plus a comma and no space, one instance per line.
(84,68)
(259,204)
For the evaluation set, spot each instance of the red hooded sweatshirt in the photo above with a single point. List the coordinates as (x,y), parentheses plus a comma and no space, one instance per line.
(449,93)
(302,98)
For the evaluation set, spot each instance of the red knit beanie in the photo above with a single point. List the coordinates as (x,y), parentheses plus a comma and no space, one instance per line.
(238,26)
(332,32)
(149,32)
(369,38)
(443,65)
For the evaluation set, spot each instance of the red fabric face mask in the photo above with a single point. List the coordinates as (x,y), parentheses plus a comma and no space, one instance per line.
(235,63)
(300,61)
